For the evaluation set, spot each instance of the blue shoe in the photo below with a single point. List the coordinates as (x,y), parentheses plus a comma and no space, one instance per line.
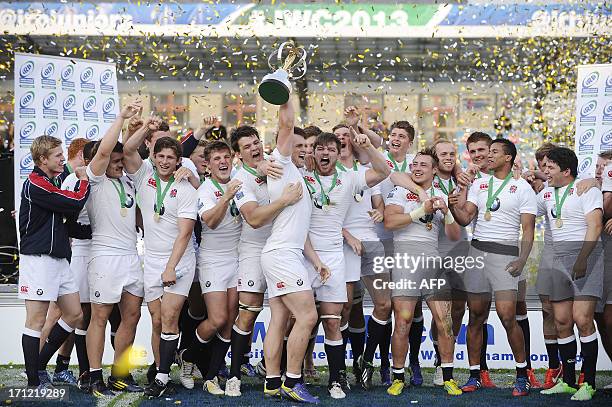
(64,377)
(43,377)
(472,384)
(248,370)
(298,393)
(385,376)
(416,378)
(521,387)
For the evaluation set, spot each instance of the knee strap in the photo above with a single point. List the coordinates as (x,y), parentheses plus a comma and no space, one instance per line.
(250,308)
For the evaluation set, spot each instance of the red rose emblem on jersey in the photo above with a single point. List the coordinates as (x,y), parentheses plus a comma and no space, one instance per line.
(436,184)
(218,194)
(173,193)
(484,186)
(412,197)
(571,192)
(309,179)
(513,189)
(339,182)
(610,174)
(547,196)
(152,183)
(390,164)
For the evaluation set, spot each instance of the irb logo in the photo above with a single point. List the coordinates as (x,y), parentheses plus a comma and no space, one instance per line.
(609,84)
(606,141)
(585,142)
(70,133)
(92,132)
(108,106)
(89,104)
(67,73)
(87,75)
(27,133)
(26,69)
(26,100)
(26,165)
(47,71)
(69,102)
(49,101)
(106,76)
(585,165)
(587,112)
(607,114)
(589,83)
(51,129)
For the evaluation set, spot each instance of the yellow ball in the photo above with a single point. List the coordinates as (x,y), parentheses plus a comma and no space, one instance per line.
(133,356)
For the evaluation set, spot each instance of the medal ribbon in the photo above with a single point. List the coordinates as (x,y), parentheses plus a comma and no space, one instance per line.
(342,168)
(121,191)
(559,204)
(491,196)
(325,195)
(395,166)
(159,194)
(233,209)
(252,172)
(443,187)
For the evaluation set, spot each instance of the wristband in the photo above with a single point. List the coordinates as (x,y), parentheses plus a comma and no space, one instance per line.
(448,218)
(417,213)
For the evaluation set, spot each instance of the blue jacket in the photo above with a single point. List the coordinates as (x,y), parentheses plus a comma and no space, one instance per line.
(43,209)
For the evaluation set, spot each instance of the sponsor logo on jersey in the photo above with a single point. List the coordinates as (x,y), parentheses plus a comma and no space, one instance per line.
(24,289)
(280,285)
(39,291)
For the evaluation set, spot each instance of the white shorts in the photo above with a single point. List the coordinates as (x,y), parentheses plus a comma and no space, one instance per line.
(44,278)
(217,274)
(334,289)
(285,272)
(493,276)
(78,265)
(110,276)
(155,266)
(250,276)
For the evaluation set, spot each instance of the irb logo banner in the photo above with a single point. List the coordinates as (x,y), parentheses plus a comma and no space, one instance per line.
(62,97)
(593,115)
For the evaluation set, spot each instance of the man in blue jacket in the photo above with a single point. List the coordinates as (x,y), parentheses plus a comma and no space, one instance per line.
(44,272)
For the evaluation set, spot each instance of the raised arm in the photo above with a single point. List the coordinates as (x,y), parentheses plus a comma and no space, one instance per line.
(286,122)
(100,161)
(380,170)
(131,158)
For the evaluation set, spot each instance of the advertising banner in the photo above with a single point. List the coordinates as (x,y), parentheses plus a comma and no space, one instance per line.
(62,97)
(593,115)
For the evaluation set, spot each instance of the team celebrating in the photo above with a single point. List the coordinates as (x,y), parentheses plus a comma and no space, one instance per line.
(227,229)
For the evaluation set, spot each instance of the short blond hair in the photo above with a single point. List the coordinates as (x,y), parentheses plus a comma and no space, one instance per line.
(42,145)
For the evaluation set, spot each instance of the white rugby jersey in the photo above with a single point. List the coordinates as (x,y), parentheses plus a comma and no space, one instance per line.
(357,220)
(290,228)
(223,240)
(112,233)
(444,243)
(386,186)
(80,247)
(573,212)
(516,198)
(254,189)
(181,201)
(606,179)
(417,231)
(326,226)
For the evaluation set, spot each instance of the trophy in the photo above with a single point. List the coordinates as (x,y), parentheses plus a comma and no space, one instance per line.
(289,62)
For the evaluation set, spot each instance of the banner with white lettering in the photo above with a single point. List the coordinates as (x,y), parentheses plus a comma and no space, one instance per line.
(66,98)
(593,115)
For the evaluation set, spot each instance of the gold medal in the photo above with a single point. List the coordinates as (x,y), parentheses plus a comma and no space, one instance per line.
(487,216)
(124,212)
(429,226)
(358,197)
(156,217)
(559,223)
